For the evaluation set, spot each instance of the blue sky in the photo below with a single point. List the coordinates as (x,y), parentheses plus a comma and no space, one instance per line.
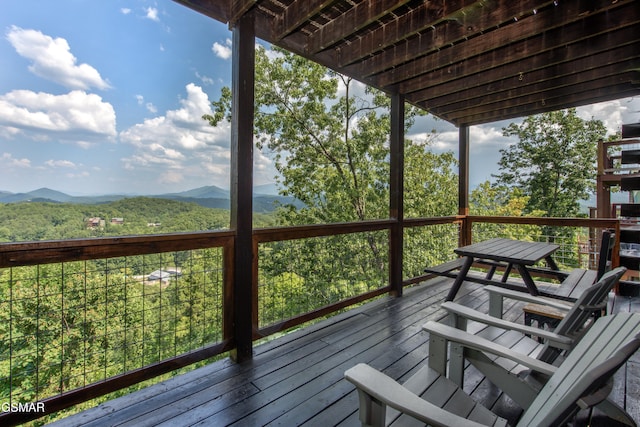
(102,97)
(106,96)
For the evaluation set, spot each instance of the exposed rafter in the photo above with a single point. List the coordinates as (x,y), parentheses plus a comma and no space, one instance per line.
(466,61)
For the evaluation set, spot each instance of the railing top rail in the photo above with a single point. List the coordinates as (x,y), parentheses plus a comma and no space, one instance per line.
(418,222)
(53,251)
(567,222)
(621,142)
(274,234)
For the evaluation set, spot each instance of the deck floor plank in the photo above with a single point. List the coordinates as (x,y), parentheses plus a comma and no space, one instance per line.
(297,379)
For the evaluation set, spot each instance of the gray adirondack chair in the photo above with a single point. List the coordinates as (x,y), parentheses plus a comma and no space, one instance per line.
(582,381)
(513,378)
(579,316)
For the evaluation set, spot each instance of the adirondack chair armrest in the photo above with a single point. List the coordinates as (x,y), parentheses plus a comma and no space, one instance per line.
(596,307)
(555,340)
(374,386)
(598,396)
(475,342)
(496,292)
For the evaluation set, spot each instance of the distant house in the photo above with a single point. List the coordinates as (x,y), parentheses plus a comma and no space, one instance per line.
(118,221)
(95,222)
(164,274)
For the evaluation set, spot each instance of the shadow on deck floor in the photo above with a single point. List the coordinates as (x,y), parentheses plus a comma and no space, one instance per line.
(298,380)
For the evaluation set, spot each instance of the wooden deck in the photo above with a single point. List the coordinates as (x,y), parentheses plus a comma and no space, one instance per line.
(298,380)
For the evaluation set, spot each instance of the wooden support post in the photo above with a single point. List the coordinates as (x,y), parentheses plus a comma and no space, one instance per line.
(396,193)
(243,76)
(603,190)
(463,183)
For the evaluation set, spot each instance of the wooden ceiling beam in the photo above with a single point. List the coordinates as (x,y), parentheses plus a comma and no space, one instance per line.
(358,17)
(592,78)
(427,15)
(545,93)
(218,10)
(467,61)
(462,76)
(506,44)
(239,8)
(295,15)
(434,37)
(609,93)
(606,62)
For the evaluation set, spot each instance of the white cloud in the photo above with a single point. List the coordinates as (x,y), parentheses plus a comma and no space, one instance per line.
(222,50)
(489,137)
(8,161)
(206,80)
(613,113)
(73,117)
(125,10)
(52,60)
(149,106)
(180,145)
(60,164)
(152,14)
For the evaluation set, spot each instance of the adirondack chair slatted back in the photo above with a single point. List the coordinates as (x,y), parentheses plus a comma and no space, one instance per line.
(606,346)
(573,324)
(606,251)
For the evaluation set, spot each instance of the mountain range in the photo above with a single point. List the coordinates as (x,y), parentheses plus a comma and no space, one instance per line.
(265,198)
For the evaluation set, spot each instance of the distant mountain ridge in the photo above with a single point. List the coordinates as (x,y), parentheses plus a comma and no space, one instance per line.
(208,196)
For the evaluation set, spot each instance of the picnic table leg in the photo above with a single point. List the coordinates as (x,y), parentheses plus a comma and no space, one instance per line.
(491,272)
(460,278)
(507,271)
(551,263)
(528,280)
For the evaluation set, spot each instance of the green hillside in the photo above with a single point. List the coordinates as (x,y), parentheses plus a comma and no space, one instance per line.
(28,221)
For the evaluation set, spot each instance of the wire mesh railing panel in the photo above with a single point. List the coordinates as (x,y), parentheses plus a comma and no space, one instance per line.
(428,245)
(64,326)
(299,276)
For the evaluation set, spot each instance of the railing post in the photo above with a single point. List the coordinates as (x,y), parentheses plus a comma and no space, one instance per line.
(396,193)
(463,184)
(603,191)
(463,174)
(465,237)
(243,77)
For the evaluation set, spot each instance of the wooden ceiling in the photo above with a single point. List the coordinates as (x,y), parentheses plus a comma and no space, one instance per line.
(465,61)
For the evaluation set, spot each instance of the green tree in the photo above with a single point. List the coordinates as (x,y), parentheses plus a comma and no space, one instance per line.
(553,162)
(330,140)
(487,199)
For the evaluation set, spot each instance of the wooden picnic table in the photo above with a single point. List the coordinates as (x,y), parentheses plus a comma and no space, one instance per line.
(511,253)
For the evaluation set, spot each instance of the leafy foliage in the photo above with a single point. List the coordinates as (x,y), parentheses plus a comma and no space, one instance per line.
(553,162)
(487,199)
(329,137)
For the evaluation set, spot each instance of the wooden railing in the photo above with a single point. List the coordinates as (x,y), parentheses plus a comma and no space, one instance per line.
(441,235)
(63,257)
